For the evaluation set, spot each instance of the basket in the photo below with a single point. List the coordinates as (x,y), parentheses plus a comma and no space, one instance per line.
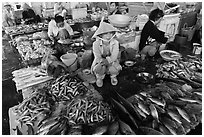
(70,60)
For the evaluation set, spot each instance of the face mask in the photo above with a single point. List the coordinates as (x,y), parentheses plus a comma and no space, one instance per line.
(107,40)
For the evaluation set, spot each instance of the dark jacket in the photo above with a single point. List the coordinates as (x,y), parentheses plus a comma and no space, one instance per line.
(150,30)
(27,14)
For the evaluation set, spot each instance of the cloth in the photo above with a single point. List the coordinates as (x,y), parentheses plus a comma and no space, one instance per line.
(104,28)
(53,30)
(150,30)
(29,16)
(115,12)
(8,18)
(159,5)
(59,9)
(111,54)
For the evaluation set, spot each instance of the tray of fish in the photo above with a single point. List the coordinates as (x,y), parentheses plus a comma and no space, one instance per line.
(168,108)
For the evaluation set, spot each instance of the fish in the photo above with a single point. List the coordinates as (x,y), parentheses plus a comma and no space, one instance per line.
(129,107)
(145,94)
(139,97)
(193,108)
(100,130)
(123,113)
(155,124)
(157,101)
(190,100)
(183,114)
(149,131)
(154,112)
(125,128)
(144,108)
(174,116)
(140,111)
(164,130)
(113,128)
(161,110)
(169,121)
(166,95)
(170,128)
(181,130)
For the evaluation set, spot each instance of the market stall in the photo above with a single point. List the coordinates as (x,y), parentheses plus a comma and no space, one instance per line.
(153,97)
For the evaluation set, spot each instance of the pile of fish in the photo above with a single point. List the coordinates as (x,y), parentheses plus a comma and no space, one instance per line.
(34,109)
(62,109)
(67,88)
(183,68)
(189,70)
(169,108)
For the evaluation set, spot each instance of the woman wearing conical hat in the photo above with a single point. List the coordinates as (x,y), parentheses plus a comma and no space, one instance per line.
(106,53)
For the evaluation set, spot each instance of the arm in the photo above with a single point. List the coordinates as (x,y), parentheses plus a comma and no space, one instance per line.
(96,50)
(158,35)
(115,52)
(69,29)
(50,31)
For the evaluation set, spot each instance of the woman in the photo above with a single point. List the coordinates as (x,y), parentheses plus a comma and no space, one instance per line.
(150,32)
(8,18)
(59,9)
(106,53)
(29,15)
(114,8)
(59,29)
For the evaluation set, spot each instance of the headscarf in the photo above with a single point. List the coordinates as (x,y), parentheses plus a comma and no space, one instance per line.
(26,6)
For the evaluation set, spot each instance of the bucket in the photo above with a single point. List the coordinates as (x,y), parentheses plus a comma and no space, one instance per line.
(70,60)
(179,39)
(197,49)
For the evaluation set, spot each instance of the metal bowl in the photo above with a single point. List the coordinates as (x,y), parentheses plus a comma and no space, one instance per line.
(169,55)
(86,71)
(129,63)
(145,77)
(118,20)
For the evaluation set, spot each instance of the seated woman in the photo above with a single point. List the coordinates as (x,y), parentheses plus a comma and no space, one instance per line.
(114,8)
(8,18)
(29,15)
(150,31)
(59,29)
(106,54)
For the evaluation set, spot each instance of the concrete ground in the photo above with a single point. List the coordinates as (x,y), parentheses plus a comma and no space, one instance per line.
(10,97)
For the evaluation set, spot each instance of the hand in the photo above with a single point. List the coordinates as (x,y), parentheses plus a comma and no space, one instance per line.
(105,62)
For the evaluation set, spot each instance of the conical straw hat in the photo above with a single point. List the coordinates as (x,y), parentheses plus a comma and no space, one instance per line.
(104,28)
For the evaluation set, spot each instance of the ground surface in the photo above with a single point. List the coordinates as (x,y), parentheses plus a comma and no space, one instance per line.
(127,86)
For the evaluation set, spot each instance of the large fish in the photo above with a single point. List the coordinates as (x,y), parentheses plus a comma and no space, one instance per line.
(130,108)
(166,95)
(164,130)
(169,122)
(125,128)
(190,100)
(149,131)
(157,101)
(100,130)
(174,116)
(144,108)
(123,114)
(141,113)
(113,128)
(170,128)
(154,112)
(183,114)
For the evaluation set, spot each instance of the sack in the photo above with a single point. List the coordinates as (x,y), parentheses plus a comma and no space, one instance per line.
(188,31)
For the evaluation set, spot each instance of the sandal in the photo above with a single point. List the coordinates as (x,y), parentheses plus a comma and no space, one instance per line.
(114,81)
(99,82)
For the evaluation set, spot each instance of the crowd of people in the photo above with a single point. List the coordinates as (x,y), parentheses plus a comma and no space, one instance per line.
(106,47)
